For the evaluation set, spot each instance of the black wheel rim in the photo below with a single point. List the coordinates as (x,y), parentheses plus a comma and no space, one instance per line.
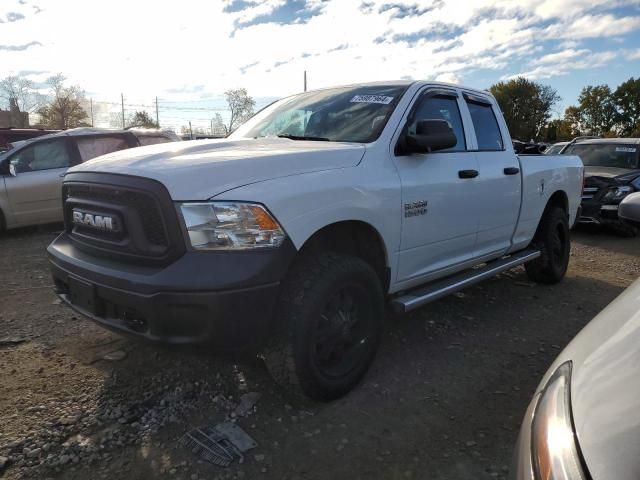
(558,245)
(343,332)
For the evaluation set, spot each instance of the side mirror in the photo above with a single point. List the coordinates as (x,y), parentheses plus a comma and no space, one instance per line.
(630,207)
(430,136)
(12,170)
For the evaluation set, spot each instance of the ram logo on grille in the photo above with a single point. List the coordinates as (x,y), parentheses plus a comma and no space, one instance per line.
(100,222)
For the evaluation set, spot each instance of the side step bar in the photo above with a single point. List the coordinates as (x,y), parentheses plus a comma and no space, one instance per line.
(441,288)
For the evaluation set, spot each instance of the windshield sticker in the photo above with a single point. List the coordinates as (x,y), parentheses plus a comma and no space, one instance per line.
(626,149)
(372,99)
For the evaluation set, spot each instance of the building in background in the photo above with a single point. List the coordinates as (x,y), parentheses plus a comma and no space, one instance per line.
(13,117)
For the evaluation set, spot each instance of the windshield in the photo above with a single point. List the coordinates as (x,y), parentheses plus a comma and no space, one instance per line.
(553,149)
(606,154)
(348,114)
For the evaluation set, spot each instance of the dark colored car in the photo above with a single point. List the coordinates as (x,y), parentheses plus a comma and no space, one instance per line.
(10,135)
(612,171)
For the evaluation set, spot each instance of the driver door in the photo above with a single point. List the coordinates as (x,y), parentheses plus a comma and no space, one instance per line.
(35,192)
(439,197)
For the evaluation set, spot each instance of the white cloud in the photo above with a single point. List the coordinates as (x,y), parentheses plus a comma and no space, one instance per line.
(197,49)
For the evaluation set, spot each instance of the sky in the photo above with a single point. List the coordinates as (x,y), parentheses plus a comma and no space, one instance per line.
(188,53)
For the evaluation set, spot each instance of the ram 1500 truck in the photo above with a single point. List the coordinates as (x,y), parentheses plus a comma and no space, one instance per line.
(288,237)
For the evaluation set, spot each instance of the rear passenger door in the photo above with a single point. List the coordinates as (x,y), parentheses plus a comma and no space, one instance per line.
(499,181)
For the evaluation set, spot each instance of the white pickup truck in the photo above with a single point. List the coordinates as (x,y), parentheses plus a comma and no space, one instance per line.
(288,237)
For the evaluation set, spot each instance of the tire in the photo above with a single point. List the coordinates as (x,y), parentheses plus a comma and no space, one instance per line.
(329,316)
(553,240)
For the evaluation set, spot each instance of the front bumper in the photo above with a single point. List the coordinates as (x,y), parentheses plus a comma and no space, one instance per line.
(225,299)
(521,466)
(599,214)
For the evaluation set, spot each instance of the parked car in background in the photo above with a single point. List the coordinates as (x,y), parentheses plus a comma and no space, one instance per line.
(151,136)
(584,420)
(320,207)
(31,171)
(556,148)
(630,208)
(10,135)
(612,171)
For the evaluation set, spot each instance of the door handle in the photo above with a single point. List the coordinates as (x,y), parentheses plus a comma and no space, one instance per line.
(511,171)
(468,173)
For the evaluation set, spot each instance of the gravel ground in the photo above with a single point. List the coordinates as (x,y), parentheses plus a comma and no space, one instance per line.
(443,400)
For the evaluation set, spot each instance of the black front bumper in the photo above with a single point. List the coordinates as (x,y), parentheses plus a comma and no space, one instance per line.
(225,299)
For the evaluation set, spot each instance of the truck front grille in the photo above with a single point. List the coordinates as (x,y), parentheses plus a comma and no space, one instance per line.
(141,218)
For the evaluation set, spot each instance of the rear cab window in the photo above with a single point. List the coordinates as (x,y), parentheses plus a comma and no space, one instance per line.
(485,124)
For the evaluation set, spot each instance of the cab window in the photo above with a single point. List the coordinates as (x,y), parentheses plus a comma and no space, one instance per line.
(486,126)
(441,107)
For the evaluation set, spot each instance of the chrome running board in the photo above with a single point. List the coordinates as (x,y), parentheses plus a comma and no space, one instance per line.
(441,288)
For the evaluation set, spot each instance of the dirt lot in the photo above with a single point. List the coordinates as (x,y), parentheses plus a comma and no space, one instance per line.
(443,400)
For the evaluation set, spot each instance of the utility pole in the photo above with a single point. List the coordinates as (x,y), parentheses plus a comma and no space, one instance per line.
(212,127)
(91,107)
(157,116)
(305,80)
(122,100)
(190,131)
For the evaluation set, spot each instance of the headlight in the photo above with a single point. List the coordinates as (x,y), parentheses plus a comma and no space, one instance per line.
(554,450)
(617,193)
(230,226)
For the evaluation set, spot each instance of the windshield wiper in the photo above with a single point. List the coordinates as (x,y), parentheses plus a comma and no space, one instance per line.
(303,137)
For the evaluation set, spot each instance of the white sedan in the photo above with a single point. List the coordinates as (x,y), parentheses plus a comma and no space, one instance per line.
(584,419)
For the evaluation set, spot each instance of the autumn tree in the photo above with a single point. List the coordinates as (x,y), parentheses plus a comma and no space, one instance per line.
(627,101)
(526,106)
(141,119)
(597,107)
(65,108)
(240,106)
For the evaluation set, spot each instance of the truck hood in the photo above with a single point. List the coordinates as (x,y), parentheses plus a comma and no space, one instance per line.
(201,169)
(605,391)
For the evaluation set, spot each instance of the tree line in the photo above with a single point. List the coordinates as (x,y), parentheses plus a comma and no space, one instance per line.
(528,107)
(65,106)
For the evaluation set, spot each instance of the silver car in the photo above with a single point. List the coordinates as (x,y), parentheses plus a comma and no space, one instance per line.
(31,172)
(584,419)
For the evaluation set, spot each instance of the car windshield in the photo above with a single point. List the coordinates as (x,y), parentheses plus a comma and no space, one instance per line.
(606,154)
(553,149)
(347,114)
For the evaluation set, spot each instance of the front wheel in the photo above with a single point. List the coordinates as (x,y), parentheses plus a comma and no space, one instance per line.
(330,317)
(553,241)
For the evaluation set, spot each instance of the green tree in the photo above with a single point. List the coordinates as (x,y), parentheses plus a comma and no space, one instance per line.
(598,113)
(627,100)
(65,107)
(526,106)
(141,119)
(240,106)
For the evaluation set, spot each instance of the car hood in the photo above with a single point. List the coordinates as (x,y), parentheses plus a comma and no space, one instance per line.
(201,169)
(605,388)
(623,174)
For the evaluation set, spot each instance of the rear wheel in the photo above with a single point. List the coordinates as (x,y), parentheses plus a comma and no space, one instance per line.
(330,317)
(553,241)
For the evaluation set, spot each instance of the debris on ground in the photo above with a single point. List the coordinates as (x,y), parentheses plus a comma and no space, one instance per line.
(7,341)
(219,445)
(115,356)
(247,404)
